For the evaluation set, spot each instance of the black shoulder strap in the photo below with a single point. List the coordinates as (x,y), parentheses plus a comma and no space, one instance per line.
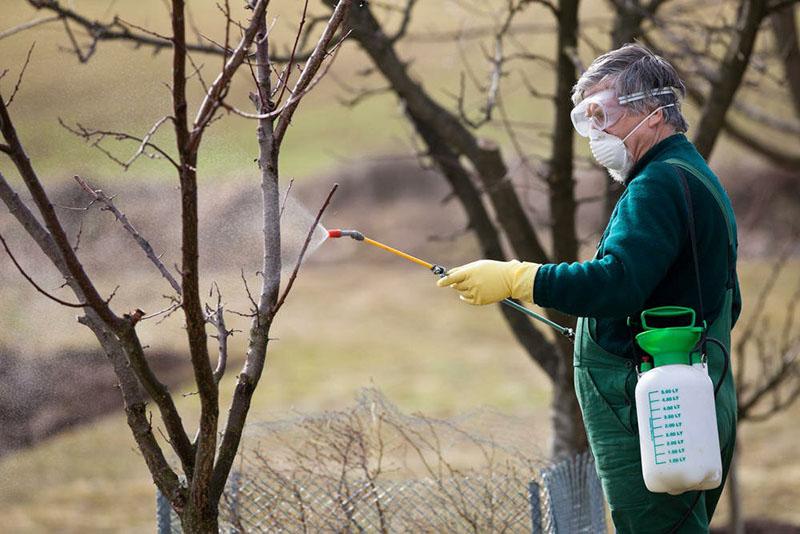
(729,223)
(692,238)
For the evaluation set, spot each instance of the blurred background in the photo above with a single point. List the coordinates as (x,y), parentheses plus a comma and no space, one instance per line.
(358,317)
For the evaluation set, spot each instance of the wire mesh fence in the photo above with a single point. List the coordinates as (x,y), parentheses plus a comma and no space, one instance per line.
(374,469)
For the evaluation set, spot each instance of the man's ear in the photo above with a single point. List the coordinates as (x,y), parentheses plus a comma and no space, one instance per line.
(656,118)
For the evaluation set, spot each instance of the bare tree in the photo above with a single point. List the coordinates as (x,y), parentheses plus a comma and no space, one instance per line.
(195,487)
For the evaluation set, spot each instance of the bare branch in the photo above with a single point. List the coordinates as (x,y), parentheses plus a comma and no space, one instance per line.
(303,250)
(730,73)
(778,265)
(216,318)
(145,141)
(286,198)
(40,197)
(96,137)
(76,48)
(227,12)
(34,284)
(120,30)
(785,371)
(126,368)
(21,74)
(254,306)
(784,29)
(99,195)
(28,25)
(198,71)
(311,68)
(116,30)
(360,94)
(733,130)
(164,314)
(284,81)
(756,114)
(218,90)
(480,32)
(403,29)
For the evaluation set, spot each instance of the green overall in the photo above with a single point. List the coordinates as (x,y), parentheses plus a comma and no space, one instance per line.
(605,384)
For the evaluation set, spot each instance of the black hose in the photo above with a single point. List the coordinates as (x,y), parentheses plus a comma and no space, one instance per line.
(726,362)
(725,365)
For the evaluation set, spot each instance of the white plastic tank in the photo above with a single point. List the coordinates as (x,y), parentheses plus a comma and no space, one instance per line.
(678,429)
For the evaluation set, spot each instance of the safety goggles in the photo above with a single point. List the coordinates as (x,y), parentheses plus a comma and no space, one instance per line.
(603,109)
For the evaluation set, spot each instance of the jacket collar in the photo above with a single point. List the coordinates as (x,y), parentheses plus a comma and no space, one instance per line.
(657,152)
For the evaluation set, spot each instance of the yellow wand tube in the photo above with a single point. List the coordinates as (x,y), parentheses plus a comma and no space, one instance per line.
(402,254)
(438,270)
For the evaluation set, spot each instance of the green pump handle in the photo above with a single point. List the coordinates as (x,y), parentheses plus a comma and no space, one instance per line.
(667,312)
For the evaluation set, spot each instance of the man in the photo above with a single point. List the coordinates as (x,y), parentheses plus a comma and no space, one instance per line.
(628,104)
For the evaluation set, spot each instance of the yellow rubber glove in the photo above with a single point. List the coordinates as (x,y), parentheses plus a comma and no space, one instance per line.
(489,281)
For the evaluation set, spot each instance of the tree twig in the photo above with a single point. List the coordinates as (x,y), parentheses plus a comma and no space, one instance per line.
(286,198)
(82,57)
(285,81)
(99,195)
(303,250)
(34,284)
(40,197)
(21,74)
(219,87)
(311,67)
(216,318)
(95,137)
(27,25)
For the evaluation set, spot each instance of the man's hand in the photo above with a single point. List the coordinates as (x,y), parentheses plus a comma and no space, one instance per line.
(488,281)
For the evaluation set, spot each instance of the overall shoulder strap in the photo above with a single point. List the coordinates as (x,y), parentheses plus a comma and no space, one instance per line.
(711,189)
(683,165)
(687,195)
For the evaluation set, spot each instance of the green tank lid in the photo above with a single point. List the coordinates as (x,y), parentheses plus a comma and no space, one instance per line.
(670,345)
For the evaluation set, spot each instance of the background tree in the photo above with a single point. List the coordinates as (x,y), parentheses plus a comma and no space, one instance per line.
(195,486)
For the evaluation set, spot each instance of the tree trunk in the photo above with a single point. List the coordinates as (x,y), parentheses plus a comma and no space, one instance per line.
(569,435)
(627,27)
(196,521)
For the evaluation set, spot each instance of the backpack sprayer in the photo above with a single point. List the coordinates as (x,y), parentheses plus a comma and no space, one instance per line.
(440,271)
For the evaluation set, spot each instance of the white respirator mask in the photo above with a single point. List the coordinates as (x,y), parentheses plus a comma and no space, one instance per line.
(600,111)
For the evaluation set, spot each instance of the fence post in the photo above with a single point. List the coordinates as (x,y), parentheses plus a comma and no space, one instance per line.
(597,503)
(536,507)
(163,514)
(233,490)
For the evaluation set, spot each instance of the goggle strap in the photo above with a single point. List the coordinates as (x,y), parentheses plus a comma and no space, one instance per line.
(633,97)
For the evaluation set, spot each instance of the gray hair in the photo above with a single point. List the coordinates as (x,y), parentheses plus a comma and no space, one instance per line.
(633,68)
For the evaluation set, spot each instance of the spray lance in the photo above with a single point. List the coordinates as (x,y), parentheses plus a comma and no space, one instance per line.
(440,271)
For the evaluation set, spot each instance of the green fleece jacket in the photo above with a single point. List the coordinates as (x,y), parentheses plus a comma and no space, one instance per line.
(644,258)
